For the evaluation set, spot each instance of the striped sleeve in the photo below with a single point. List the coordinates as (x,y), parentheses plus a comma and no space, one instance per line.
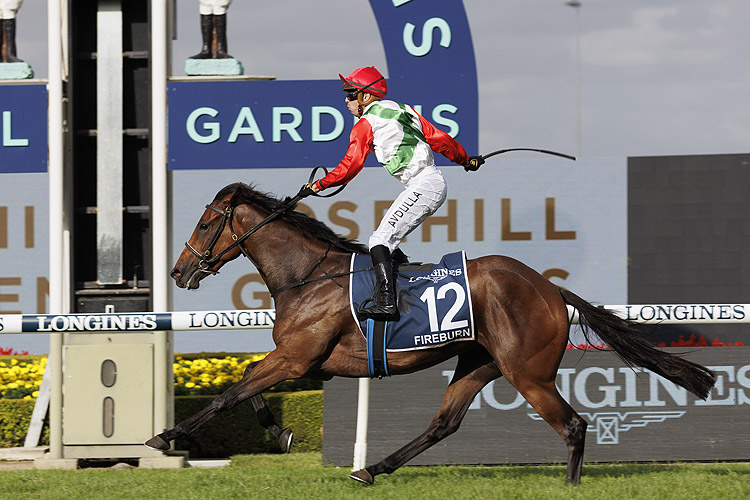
(442,143)
(360,141)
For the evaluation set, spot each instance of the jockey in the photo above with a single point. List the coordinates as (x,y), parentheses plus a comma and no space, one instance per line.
(403,142)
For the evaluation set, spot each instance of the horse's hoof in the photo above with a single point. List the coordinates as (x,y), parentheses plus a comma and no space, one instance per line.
(285,440)
(157,443)
(362,476)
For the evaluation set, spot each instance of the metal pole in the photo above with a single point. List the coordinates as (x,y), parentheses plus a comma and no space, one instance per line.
(56,216)
(577,6)
(159,207)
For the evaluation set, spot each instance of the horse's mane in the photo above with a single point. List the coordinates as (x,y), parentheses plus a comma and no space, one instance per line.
(244,193)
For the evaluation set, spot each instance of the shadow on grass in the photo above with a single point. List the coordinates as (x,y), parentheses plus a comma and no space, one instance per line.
(496,472)
(639,469)
(557,471)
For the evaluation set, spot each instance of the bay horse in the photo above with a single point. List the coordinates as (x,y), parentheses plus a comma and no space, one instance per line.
(521,323)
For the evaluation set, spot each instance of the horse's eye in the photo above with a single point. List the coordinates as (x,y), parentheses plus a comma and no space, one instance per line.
(203,226)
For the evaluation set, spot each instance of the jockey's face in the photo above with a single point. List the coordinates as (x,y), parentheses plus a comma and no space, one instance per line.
(352,105)
(364,99)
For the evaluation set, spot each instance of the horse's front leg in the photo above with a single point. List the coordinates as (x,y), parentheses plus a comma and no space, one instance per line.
(270,371)
(266,419)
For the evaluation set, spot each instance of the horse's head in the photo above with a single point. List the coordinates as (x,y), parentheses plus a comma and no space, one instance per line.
(212,244)
(239,206)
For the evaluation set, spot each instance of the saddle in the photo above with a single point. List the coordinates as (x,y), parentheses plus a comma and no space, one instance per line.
(434,301)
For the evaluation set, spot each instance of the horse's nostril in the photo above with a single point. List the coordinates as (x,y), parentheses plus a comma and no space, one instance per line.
(175,273)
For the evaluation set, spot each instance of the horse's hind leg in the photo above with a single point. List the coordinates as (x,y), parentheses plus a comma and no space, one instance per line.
(266,419)
(551,406)
(475,369)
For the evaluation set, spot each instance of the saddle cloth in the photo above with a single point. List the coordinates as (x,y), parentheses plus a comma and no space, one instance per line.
(434,301)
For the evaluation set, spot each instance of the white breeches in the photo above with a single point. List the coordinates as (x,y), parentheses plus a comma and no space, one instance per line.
(422,196)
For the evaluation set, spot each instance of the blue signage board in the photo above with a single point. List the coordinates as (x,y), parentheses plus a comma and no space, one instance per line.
(292,124)
(23,128)
(256,124)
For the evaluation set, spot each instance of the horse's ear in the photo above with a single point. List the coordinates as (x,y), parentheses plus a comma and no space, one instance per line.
(232,201)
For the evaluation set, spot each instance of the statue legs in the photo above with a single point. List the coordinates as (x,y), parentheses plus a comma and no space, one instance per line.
(9,33)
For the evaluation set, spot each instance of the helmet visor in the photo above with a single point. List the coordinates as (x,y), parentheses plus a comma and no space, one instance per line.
(376,87)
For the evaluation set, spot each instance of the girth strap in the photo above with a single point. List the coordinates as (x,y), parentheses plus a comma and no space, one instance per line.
(377,362)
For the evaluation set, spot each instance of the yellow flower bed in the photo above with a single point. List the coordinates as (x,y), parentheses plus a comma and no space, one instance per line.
(209,375)
(21,378)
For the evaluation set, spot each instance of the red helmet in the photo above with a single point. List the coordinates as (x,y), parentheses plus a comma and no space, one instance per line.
(367,80)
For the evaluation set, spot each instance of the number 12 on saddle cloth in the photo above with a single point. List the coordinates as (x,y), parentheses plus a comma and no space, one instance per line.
(434,301)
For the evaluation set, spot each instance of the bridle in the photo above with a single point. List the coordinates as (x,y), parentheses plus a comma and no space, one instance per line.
(206,259)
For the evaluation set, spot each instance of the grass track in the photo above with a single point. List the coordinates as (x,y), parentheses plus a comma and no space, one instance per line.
(301,476)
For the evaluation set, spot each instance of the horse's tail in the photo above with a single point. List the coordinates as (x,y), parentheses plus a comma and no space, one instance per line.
(633,348)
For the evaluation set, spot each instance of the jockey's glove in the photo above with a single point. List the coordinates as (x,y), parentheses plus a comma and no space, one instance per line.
(305,191)
(474,163)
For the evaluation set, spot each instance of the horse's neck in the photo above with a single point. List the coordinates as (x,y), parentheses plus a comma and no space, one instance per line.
(283,255)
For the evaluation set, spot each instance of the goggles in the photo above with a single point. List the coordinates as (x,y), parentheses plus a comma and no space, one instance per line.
(352,94)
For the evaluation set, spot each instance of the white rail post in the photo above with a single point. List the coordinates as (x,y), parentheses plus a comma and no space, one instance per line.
(360,443)
(160,209)
(56,215)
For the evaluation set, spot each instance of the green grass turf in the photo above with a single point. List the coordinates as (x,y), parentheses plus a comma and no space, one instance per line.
(301,476)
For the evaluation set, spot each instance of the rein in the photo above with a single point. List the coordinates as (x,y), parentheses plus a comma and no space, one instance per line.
(207,259)
(325,276)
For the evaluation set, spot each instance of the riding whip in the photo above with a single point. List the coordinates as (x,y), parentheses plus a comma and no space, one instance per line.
(545,151)
(477,161)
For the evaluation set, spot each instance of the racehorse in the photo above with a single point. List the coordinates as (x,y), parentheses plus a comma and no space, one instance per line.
(521,323)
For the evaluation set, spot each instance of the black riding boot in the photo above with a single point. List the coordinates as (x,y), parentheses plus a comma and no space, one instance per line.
(221,37)
(207,32)
(385,308)
(9,28)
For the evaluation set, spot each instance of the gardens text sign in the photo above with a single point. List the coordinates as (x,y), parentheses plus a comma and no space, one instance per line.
(283,124)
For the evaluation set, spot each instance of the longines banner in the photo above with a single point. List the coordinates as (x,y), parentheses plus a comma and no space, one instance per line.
(137,322)
(282,124)
(632,415)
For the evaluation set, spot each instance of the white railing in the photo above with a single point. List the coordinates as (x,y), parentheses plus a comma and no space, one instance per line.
(143,322)
(671,314)
(137,322)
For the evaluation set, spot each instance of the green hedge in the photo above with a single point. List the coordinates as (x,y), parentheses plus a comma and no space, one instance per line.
(230,433)
(237,431)
(15,415)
